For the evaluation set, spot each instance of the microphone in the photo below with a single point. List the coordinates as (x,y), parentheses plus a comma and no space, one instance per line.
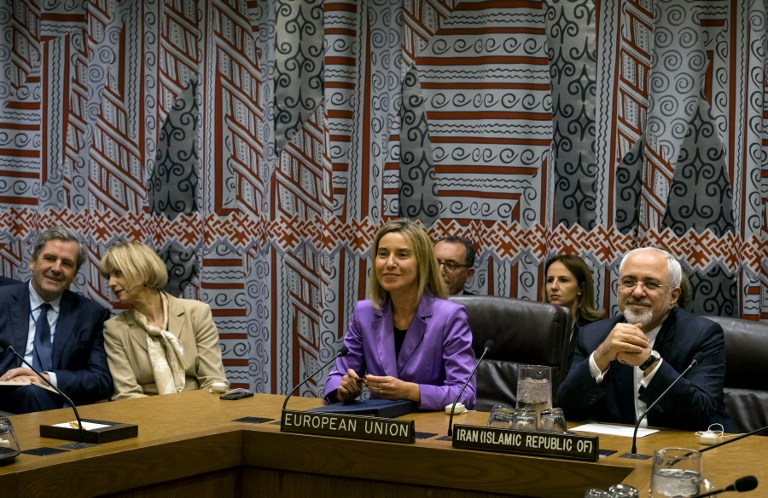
(746,483)
(343,351)
(8,347)
(488,346)
(696,359)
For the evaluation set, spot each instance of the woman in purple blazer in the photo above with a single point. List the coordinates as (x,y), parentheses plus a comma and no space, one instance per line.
(407,341)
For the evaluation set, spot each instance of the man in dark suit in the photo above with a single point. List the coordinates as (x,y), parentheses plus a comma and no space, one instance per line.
(621,365)
(456,257)
(57,331)
(7,281)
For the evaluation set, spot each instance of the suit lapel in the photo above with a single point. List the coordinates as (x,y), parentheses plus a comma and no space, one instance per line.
(19,314)
(625,391)
(136,332)
(65,326)
(666,334)
(175,317)
(381,341)
(415,335)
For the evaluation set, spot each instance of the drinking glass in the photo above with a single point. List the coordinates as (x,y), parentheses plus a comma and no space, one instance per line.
(525,421)
(597,493)
(9,445)
(501,416)
(676,472)
(623,491)
(553,421)
(534,388)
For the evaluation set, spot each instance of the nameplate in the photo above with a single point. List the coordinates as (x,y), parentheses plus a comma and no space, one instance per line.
(348,426)
(546,444)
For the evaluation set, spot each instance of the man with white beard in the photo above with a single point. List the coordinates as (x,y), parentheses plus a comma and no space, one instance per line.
(623,364)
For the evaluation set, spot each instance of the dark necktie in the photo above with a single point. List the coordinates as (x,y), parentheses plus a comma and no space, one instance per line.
(43,347)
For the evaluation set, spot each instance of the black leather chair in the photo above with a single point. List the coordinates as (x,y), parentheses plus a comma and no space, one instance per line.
(526,332)
(746,372)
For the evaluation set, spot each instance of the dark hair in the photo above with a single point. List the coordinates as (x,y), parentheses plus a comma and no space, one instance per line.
(455,239)
(583,275)
(59,233)
(686,292)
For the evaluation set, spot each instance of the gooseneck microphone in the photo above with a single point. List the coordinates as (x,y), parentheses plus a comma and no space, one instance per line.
(746,483)
(488,346)
(696,359)
(8,347)
(343,351)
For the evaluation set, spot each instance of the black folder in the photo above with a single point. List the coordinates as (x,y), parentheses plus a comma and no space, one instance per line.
(382,408)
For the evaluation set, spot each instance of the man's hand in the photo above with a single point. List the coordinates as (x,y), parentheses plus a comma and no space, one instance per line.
(626,343)
(23,375)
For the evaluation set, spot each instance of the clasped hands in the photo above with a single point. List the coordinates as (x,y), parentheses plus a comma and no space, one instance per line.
(627,344)
(22,375)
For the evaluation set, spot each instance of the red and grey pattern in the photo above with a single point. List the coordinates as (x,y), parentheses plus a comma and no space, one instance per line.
(258,146)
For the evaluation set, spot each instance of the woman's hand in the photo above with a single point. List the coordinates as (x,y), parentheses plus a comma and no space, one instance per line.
(351,386)
(387,387)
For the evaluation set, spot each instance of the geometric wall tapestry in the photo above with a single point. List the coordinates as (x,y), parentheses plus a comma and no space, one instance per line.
(258,148)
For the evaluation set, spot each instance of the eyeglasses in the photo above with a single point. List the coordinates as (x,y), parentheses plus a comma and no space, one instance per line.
(451,265)
(628,285)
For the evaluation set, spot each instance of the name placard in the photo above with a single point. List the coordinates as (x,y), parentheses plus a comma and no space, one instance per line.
(546,444)
(348,426)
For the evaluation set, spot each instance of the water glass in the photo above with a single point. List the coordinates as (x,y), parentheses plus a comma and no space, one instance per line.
(524,421)
(9,445)
(501,416)
(534,388)
(597,493)
(553,421)
(676,472)
(623,491)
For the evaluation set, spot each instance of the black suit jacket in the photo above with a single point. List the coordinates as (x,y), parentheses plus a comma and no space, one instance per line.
(79,360)
(694,403)
(8,281)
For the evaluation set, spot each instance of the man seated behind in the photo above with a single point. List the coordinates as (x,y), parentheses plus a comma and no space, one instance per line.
(623,364)
(456,258)
(59,332)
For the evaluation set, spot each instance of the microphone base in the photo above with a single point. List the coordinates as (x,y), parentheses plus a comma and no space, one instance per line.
(636,456)
(105,432)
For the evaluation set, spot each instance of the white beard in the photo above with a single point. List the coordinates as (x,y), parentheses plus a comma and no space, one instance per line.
(643,318)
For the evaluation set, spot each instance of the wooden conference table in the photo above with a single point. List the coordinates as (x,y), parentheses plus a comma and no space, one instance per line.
(190,444)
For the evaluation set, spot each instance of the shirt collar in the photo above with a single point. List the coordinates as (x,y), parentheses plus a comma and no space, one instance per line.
(35,300)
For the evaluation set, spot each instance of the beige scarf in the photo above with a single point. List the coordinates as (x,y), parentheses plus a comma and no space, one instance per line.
(166,355)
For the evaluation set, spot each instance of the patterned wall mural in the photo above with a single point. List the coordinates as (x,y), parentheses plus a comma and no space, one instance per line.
(258,145)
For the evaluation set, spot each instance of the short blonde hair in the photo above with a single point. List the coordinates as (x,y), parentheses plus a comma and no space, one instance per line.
(426,261)
(138,263)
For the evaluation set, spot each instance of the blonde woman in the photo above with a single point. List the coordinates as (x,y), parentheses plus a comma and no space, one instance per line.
(161,344)
(407,341)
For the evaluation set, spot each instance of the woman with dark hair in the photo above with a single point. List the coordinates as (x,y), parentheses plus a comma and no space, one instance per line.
(569,284)
(406,341)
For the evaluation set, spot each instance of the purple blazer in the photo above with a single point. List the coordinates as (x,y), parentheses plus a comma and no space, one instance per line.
(436,353)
